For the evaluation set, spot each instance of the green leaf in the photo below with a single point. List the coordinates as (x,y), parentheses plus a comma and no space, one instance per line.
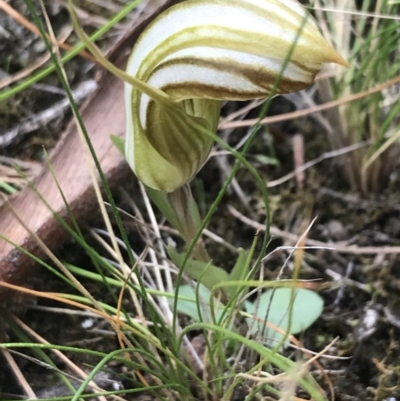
(119,143)
(266,160)
(274,306)
(206,273)
(239,271)
(161,200)
(189,306)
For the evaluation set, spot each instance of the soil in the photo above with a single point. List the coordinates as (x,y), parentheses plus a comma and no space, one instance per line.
(360,291)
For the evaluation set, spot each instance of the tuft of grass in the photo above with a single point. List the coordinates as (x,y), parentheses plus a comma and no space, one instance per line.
(367,34)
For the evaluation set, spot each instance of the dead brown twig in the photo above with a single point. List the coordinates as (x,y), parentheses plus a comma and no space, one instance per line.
(336,247)
(302,113)
(28,25)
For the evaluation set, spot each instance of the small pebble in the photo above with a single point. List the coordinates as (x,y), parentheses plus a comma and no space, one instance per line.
(337,230)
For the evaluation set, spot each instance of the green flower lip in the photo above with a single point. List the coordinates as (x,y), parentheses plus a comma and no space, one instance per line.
(199,53)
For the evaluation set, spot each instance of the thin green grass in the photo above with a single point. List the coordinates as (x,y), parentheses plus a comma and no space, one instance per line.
(369,36)
(153,346)
(9,189)
(45,71)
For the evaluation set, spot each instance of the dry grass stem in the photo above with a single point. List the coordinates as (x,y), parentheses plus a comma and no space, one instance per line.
(27,389)
(302,113)
(338,247)
(62,357)
(31,27)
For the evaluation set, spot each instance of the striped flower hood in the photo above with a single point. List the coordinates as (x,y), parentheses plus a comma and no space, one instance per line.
(199,53)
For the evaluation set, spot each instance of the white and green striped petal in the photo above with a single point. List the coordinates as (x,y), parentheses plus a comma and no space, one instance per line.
(199,53)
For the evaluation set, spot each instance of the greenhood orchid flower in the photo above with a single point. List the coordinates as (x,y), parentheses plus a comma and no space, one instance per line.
(199,53)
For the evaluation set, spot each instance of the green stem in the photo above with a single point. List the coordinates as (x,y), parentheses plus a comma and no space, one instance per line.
(200,251)
(188,217)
